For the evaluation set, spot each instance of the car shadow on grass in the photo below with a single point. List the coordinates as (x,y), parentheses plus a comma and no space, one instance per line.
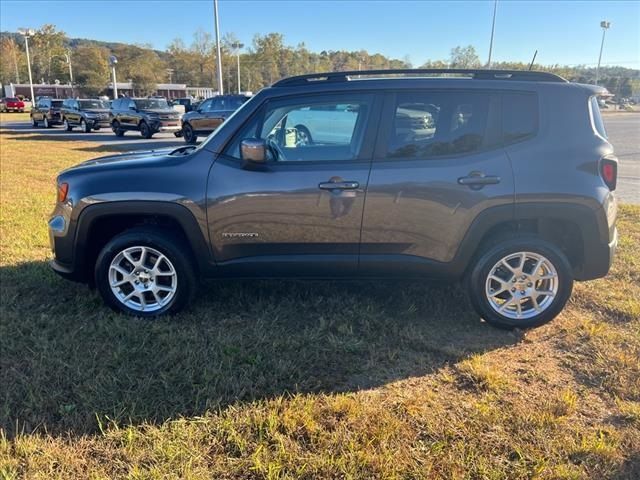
(67,360)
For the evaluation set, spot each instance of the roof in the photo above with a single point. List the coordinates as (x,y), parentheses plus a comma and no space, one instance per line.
(477,74)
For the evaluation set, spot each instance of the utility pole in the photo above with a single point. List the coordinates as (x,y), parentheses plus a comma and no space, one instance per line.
(237,46)
(605,26)
(219,54)
(26,33)
(493,28)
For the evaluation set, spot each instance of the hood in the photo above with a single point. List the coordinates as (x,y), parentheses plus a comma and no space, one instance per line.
(127,159)
(160,111)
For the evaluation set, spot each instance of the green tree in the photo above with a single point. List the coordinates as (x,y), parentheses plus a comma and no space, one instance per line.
(47,48)
(11,61)
(91,68)
(464,57)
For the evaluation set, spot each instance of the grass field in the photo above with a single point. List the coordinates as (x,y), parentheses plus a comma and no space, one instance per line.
(302,380)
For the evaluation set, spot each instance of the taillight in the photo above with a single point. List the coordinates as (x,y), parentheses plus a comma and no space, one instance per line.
(63,190)
(609,171)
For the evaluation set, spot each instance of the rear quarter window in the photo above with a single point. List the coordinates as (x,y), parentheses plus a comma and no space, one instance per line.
(519,116)
(596,117)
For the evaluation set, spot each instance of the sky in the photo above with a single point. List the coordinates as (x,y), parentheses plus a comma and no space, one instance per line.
(563,32)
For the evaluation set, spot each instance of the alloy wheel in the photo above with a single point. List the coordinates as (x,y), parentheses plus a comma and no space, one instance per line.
(521,285)
(143,279)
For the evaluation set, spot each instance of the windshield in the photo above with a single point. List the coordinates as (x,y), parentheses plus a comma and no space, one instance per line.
(232,103)
(244,105)
(12,99)
(56,103)
(93,104)
(151,103)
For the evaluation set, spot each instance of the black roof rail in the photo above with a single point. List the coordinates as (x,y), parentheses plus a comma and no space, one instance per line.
(480,74)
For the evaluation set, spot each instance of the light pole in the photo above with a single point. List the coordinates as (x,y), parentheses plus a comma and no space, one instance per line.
(170,72)
(493,28)
(67,56)
(605,26)
(219,54)
(113,61)
(237,46)
(26,33)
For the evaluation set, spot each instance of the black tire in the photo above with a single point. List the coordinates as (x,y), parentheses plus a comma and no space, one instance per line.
(67,125)
(302,133)
(115,126)
(84,126)
(188,134)
(45,122)
(489,257)
(145,130)
(34,122)
(169,244)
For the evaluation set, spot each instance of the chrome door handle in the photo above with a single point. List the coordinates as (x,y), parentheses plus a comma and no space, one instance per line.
(338,185)
(478,180)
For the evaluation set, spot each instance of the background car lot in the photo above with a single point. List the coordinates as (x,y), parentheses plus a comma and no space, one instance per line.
(370,380)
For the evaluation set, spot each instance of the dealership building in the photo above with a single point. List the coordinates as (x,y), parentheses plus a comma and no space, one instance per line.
(57,90)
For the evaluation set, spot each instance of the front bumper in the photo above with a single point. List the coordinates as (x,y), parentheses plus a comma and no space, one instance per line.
(99,123)
(169,128)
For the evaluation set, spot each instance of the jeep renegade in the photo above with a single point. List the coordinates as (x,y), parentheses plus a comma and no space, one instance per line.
(503,179)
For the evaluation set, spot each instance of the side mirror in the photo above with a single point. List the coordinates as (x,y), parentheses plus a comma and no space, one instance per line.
(253,151)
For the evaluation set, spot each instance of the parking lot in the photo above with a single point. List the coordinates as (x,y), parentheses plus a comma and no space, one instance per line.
(623,130)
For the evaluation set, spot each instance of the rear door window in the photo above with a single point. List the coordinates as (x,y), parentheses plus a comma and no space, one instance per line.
(430,124)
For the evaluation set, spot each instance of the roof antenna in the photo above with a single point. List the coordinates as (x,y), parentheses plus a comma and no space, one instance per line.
(533,59)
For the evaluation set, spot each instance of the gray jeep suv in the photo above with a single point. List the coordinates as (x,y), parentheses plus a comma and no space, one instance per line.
(503,179)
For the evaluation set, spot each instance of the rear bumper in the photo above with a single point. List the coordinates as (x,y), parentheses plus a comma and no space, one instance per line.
(598,259)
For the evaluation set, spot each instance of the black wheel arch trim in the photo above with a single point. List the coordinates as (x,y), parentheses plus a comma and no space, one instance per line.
(591,222)
(152,208)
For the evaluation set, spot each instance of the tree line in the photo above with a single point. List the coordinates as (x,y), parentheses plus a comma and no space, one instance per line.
(267,59)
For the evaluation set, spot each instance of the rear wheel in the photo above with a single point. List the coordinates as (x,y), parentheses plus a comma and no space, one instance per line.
(188,134)
(34,122)
(145,130)
(521,282)
(146,272)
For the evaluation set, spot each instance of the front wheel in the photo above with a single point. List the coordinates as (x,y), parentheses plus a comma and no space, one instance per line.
(145,130)
(521,282)
(67,126)
(45,122)
(115,126)
(188,134)
(146,272)
(34,122)
(84,127)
